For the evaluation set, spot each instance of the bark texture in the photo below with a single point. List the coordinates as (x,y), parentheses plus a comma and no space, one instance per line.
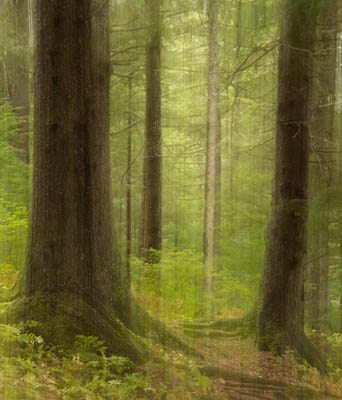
(152,179)
(213,151)
(73,280)
(280,319)
(127,277)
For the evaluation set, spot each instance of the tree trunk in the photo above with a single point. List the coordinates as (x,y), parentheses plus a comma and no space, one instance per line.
(129,195)
(73,281)
(213,151)
(16,70)
(322,169)
(152,192)
(280,319)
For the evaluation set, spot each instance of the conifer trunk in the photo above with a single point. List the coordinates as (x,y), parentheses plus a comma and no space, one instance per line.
(129,192)
(280,319)
(152,170)
(213,151)
(73,281)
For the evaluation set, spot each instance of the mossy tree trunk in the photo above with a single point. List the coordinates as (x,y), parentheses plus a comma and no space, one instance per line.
(73,270)
(280,319)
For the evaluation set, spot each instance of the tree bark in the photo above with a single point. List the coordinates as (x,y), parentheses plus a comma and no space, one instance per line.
(280,320)
(129,195)
(213,151)
(152,180)
(73,281)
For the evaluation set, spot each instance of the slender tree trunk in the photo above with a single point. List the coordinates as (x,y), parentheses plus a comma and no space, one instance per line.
(152,191)
(339,168)
(213,153)
(280,319)
(72,283)
(322,169)
(129,190)
(176,225)
(16,70)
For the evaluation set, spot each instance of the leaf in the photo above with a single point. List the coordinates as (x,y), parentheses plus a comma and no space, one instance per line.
(204,382)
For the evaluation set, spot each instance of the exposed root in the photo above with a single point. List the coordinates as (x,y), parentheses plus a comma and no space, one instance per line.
(61,317)
(309,352)
(143,324)
(211,334)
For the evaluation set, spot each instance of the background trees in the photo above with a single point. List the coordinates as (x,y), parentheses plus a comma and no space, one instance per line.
(15,68)
(207,79)
(323,166)
(247,43)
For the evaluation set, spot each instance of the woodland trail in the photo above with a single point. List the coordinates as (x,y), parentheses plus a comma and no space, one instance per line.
(240,372)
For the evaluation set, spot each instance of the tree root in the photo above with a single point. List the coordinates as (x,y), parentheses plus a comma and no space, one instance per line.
(309,352)
(211,334)
(227,325)
(143,324)
(62,317)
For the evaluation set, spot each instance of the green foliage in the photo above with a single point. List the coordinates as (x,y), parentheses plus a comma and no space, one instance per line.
(13,234)
(14,174)
(29,370)
(174,288)
(14,181)
(203,381)
(181,278)
(90,343)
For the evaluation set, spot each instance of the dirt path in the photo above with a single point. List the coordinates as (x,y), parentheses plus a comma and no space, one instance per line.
(242,373)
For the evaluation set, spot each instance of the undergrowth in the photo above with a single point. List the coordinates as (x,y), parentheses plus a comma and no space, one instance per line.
(31,370)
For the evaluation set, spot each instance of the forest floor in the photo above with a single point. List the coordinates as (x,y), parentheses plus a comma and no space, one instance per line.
(239,372)
(231,369)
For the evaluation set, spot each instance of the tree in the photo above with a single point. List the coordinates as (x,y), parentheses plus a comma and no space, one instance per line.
(129,189)
(213,150)
(73,281)
(152,170)
(280,320)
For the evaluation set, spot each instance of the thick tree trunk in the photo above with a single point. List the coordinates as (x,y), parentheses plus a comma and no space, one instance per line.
(213,151)
(152,192)
(322,169)
(72,283)
(280,319)
(16,70)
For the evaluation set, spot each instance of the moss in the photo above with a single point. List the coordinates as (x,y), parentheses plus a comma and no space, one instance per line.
(62,316)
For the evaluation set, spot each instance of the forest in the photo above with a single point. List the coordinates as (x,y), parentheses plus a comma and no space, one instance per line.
(170,199)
